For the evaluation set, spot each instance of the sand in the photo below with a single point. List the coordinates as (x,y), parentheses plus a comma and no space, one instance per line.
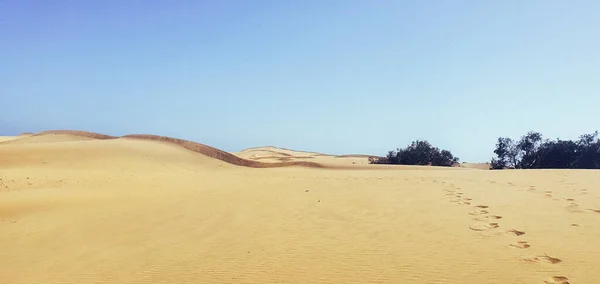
(272,154)
(124,210)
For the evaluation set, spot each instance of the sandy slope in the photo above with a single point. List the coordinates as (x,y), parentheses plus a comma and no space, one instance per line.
(140,211)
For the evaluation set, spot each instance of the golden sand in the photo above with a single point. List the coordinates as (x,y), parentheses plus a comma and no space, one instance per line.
(83,210)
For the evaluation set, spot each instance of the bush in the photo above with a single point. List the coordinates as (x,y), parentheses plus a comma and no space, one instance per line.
(531,153)
(418,153)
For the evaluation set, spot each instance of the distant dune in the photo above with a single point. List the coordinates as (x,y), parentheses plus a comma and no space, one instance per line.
(219,154)
(256,157)
(77,133)
(282,151)
(274,154)
(271,154)
(193,146)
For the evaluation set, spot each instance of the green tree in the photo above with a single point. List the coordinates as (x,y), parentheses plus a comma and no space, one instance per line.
(419,153)
(531,153)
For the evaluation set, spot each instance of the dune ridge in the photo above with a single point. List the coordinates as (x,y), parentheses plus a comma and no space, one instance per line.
(312,154)
(269,148)
(220,154)
(78,133)
(190,145)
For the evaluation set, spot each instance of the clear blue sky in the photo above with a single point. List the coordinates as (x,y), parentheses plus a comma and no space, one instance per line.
(331,76)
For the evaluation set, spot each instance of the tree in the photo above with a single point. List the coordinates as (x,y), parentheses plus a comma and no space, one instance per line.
(391,157)
(588,139)
(507,153)
(445,158)
(588,151)
(419,153)
(531,153)
(528,146)
(559,154)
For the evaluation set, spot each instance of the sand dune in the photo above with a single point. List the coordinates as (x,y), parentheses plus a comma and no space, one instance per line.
(193,146)
(151,209)
(78,133)
(282,151)
(219,154)
(271,154)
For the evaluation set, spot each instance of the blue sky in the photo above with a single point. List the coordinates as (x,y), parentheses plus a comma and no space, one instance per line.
(330,76)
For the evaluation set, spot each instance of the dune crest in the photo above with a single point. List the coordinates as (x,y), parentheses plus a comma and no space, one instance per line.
(78,133)
(219,154)
(190,145)
(282,151)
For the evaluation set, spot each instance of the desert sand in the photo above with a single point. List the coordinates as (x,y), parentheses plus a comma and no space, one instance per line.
(77,207)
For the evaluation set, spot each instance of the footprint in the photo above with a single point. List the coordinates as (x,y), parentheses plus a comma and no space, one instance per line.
(515,232)
(493,225)
(482,206)
(480,212)
(478,228)
(467,199)
(557,280)
(570,199)
(487,218)
(574,208)
(544,259)
(484,227)
(521,245)
(465,203)
(574,225)
(595,210)
(531,187)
